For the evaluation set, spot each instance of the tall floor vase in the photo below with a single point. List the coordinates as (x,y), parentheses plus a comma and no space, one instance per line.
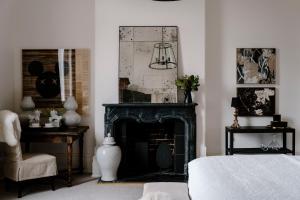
(109,157)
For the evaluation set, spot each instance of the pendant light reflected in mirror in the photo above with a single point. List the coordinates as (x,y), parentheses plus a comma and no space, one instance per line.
(163,57)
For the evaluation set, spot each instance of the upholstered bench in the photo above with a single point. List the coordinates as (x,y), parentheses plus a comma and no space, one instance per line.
(165,191)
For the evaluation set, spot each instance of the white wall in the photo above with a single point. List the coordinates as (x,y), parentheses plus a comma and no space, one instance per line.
(187,15)
(6,54)
(6,61)
(257,23)
(50,24)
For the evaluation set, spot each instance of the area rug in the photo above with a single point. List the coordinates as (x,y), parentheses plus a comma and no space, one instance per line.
(86,191)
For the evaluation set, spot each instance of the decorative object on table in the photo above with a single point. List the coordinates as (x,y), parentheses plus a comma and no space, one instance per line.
(50,75)
(54,119)
(273,145)
(27,106)
(34,119)
(256,101)
(256,65)
(188,83)
(71,117)
(148,64)
(235,103)
(109,157)
(27,103)
(277,123)
(277,118)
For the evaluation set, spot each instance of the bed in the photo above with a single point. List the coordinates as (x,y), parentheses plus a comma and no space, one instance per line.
(245,177)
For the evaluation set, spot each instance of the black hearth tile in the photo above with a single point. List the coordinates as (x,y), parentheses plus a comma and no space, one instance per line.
(179,144)
(178,128)
(179,163)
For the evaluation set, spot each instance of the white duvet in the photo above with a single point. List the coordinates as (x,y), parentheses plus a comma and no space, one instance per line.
(245,177)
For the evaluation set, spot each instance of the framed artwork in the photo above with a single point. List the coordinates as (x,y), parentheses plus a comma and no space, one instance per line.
(148,64)
(256,65)
(51,75)
(256,101)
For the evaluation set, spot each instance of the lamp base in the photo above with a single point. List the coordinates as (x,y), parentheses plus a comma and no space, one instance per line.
(235,124)
(235,121)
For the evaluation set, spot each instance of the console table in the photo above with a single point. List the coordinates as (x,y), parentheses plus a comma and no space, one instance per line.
(66,135)
(254,130)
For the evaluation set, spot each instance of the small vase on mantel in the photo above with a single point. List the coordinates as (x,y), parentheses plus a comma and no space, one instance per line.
(71,117)
(27,106)
(109,158)
(194,96)
(188,96)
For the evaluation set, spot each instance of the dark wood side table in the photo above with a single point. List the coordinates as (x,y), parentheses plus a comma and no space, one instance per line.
(254,130)
(66,135)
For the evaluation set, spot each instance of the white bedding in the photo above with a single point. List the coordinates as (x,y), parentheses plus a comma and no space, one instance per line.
(245,177)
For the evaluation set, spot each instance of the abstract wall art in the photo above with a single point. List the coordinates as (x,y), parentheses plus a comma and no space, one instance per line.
(256,101)
(51,75)
(148,64)
(256,65)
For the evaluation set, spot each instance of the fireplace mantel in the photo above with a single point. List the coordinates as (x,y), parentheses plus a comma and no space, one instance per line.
(153,113)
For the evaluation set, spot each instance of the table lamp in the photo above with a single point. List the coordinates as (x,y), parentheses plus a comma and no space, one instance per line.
(235,103)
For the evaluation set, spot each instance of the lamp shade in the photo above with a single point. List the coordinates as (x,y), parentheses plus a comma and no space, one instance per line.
(235,102)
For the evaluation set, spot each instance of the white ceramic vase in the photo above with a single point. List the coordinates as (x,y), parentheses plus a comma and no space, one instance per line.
(27,106)
(71,117)
(109,157)
(27,103)
(194,95)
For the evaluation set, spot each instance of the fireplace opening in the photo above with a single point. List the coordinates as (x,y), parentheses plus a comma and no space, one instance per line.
(150,149)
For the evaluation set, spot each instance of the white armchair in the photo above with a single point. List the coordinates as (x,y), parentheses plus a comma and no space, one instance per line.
(20,167)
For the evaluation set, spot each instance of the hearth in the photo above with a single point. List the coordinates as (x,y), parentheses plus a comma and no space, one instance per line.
(157,140)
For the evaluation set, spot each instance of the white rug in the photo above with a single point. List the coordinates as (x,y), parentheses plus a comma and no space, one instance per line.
(86,191)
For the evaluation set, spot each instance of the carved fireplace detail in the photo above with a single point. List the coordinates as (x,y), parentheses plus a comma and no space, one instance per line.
(156,113)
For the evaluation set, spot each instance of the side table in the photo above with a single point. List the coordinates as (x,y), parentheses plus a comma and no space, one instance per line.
(229,131)
(66,135)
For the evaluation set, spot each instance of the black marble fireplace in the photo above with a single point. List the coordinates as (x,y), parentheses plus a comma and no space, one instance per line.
(155,139)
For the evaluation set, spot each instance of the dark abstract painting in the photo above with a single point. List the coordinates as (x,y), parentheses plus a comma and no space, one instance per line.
(256,65)
(49,83)
(256,101)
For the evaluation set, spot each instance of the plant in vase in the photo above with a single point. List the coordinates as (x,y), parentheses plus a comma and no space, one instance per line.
(188,83)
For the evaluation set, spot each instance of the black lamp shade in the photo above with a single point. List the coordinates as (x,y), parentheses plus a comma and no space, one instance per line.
(235,102)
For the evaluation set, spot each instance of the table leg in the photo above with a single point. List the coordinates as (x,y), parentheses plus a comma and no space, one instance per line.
(294,137)
(81,154)
(69,162)
(284,142)
(226,142)
(231,143)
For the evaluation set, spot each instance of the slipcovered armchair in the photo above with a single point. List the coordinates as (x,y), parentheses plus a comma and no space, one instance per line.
(20,167)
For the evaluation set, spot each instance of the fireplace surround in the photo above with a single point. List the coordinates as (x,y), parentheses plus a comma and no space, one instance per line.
(161,135)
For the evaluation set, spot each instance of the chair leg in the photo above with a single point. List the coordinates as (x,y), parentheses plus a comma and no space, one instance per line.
(6,184)
(53,183)
(20,189)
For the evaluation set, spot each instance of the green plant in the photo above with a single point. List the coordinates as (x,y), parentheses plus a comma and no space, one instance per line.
(188,83)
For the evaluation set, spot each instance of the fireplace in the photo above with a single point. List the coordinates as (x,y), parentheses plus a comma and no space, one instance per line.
(156,140)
